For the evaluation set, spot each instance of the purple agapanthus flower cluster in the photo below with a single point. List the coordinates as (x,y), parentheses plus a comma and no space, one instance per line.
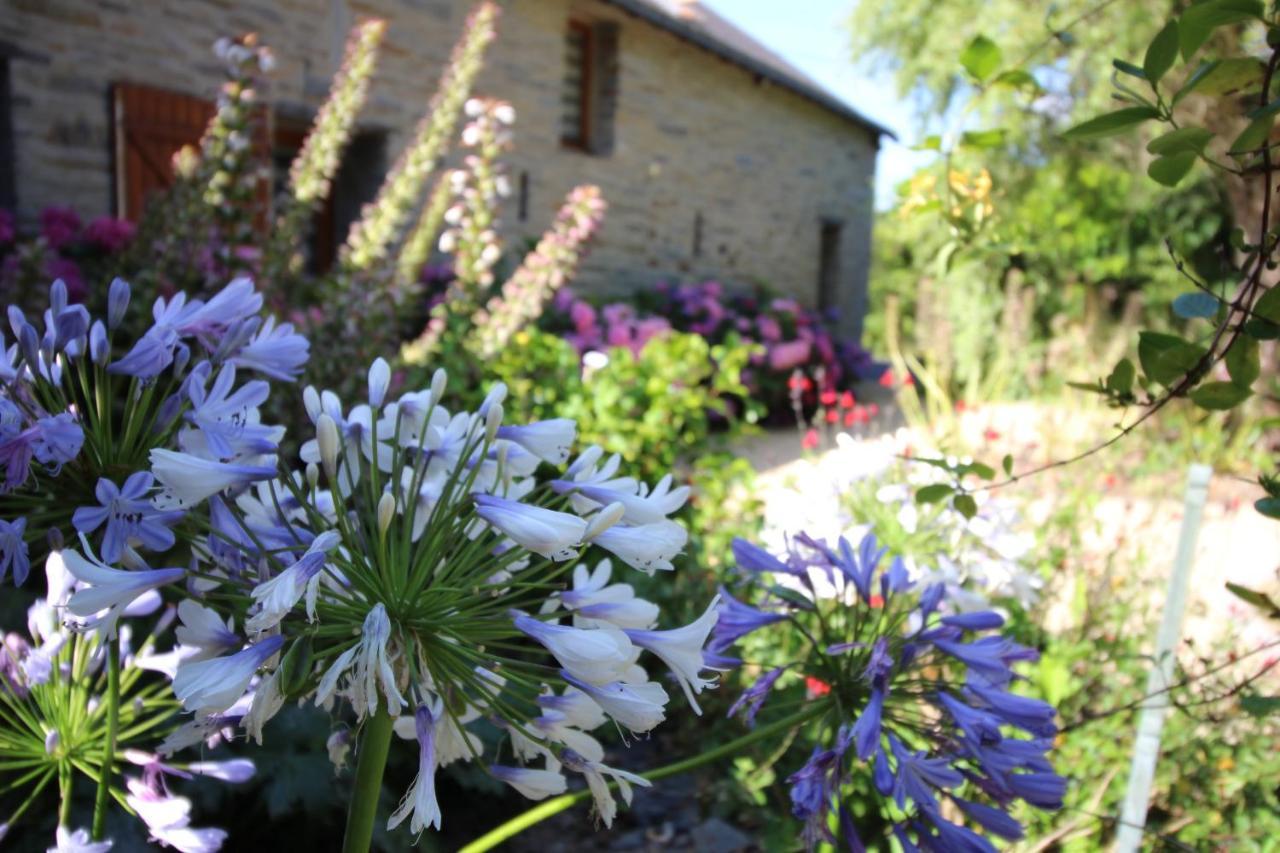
(913,695)
(146,428)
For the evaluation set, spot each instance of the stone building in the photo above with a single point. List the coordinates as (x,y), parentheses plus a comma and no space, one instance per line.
(718,159)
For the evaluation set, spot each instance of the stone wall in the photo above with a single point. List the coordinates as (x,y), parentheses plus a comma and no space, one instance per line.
(696,137)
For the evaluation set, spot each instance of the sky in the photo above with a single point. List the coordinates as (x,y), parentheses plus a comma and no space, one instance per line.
(816,40)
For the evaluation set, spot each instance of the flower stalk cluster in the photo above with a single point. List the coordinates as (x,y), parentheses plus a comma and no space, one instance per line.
(542,272)
(471,233)
(313,169)
(382,221)
(419,568)
(916,697)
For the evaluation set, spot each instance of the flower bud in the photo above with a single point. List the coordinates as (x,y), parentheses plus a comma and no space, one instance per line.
(313,475)
(438,382)
(386,512)
(492,420)
(379,380)
(117,302)
(295,668)
(604,519)
(327,438)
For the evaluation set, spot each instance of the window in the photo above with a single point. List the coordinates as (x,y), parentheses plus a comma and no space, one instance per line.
(8,186)
(589,93)
(356,183)
(576,115)
(829,264)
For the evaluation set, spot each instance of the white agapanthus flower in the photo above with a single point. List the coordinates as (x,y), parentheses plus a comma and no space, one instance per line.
(397,574)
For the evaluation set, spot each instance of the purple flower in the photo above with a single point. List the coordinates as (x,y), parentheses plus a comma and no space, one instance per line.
(737,620)
(13,550)
(7,232)
(859,567)
(916,774)
(983,620)
(866,731)
(753,697)
(129,515)
(753,558)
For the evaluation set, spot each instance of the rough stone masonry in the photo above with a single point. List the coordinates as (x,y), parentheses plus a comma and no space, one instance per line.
(712,171)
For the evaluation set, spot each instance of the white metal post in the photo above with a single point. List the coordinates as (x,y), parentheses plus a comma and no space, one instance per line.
(1146,747)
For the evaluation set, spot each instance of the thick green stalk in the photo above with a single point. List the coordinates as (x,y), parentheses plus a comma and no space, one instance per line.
(554,806)
(375,741)
(108,748)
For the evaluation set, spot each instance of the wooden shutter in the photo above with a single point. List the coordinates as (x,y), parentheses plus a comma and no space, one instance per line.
(150,126)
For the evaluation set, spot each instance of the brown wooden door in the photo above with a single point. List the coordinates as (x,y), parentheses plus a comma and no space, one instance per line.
(150,126)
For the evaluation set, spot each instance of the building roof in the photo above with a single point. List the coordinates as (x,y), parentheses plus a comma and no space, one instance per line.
(691,21)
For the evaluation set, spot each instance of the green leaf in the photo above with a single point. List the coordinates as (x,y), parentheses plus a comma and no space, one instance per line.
(965,505)
(1253,137)
(1261,330)
(933,493)
(1268,305)
(1166,358)
(1016,78)
(1232,75)
(1270,507)
(1192,139)
(981,57)
(1260,706)
(1161,53)
(1169,170)
(1219,396)
(1111,124)
(1193,82)
(1197,304)
(978,469)
(1007,464)
(1257,599)
(991,138)
(1121,379)
(1243,363)
(1129,68)
(929,143)
(1198,22)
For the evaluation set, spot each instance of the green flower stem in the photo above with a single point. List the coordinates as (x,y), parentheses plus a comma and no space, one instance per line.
(109,747)
(375,741)
(554,806)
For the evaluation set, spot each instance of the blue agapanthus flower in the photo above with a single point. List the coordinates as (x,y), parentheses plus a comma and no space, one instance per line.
(153,431)
(913,697)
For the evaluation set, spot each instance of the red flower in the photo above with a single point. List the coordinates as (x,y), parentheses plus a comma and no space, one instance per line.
(846,400)
(886,379)
(815,687)
(810,440)
(849,419)
(874,409)
(960,406)
(877,601)
(828,398)
(832,416)
(908,380)
(990,434)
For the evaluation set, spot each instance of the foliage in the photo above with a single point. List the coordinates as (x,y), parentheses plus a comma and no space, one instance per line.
(786,336)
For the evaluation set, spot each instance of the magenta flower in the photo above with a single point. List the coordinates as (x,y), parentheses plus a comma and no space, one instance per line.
(59,226)
(110,234)
(789,355)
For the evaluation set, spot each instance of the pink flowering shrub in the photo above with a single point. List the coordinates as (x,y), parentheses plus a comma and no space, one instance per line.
(790,337)
(62,247)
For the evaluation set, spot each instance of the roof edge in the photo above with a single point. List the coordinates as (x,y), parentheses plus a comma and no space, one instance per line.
(695,36)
